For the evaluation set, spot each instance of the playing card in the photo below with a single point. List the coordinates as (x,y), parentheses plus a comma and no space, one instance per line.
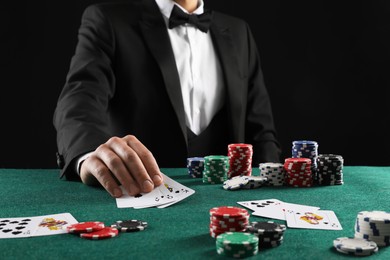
(54,224)
(17,227)
(176,189)
(162,196)
(320,219)
(35,226)
(142,200)
(273,208)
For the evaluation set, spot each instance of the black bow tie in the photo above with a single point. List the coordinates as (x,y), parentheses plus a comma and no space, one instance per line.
(201,21)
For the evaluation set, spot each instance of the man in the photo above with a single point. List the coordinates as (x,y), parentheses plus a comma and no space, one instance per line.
(145,91)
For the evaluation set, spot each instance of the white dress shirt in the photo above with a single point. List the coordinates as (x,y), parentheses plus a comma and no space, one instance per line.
(199,70)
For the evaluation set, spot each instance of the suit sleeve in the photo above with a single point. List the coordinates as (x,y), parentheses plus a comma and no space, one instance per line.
(80,117)
(260,129)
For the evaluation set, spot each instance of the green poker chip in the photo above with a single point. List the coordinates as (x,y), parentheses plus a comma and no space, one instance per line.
(237,244)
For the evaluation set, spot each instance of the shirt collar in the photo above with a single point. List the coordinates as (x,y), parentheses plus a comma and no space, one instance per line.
(166,7)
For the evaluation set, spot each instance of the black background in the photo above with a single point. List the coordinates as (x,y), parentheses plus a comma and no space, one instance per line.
(326,66)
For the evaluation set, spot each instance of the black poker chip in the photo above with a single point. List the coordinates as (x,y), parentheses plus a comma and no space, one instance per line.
(130,225)
(266,228)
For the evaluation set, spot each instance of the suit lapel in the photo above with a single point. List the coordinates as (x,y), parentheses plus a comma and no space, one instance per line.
(227,54)
(157,39)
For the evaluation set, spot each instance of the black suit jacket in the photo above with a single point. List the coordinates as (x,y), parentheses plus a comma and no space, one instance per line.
(123,80)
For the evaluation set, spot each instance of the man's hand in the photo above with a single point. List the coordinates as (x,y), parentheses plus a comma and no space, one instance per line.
(122,161)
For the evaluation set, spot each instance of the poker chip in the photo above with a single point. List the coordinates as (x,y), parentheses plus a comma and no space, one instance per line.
(355,246)
(85,227)
(298,172)
(107,232)
(306,149)
(270,233)
(130,225)
(240,159)
(237,244)
(244,182)
(235,183)
(373,226)
(228,212)
(195,167)
(226,219)
(273,172)
(215,169)
(330,169)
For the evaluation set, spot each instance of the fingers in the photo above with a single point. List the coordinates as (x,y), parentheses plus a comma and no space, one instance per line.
(124,161)
(94,171)
(147,159)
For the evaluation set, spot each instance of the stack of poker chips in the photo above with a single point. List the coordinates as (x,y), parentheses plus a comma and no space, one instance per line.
(274,172)
(270,234)
(330,169)
(216,168)
(298,172)
(244,182)
(237,244)
(195,167)
(373,226)
(227,219)
(240,159)
(306,149)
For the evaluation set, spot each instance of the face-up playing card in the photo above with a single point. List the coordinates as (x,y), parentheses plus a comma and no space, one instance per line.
(142,200)
(273,208)
(168,193)
(54,224)
(176,189)
(320,219)
(17,227)
(35,226)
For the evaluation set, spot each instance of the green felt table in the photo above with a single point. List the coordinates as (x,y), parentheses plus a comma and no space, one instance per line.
(181,230)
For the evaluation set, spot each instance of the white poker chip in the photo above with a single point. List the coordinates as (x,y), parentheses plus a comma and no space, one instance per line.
(376,216)
(235,183)
(255,182)
(355,245)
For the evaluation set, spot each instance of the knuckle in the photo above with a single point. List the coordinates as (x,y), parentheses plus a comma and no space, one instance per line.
(113,139)
(145,154)
(130,156)
(100,172)
(101,148)
(113,161)
(131,138)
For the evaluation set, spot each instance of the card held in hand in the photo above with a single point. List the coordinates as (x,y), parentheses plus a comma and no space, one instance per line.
(167,194)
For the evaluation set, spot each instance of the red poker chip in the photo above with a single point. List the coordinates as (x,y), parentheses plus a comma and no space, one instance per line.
(226,228)
(229,225)
(85,227)
(107,232)
(232,220)
(240,145)
(236,220)
(228,212)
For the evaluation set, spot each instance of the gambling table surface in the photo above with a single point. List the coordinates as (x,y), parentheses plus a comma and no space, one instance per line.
(180,231)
